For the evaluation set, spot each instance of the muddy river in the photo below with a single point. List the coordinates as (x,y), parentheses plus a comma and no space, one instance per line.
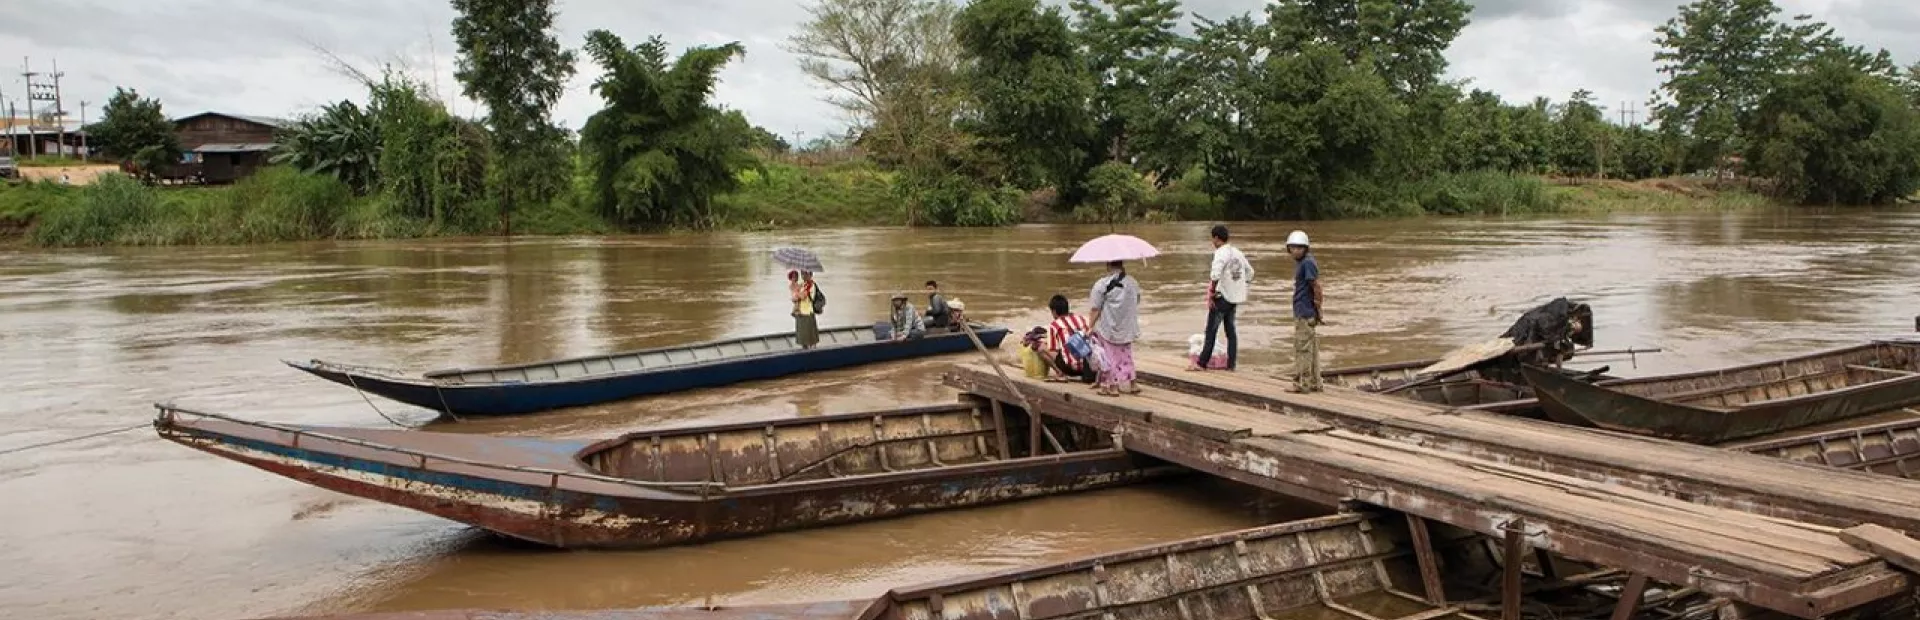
(126,526)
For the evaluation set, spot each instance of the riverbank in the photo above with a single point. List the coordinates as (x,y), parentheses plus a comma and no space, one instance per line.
(281,204)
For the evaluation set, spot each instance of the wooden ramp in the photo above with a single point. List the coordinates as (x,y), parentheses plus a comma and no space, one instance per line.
(1800,569)
(1701,474)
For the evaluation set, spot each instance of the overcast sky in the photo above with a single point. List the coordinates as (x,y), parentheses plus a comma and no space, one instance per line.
(258,56)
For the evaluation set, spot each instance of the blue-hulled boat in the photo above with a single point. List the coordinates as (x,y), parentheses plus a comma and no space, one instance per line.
(541,386)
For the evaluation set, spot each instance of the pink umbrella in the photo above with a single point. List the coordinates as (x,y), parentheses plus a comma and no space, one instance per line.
(1112,248)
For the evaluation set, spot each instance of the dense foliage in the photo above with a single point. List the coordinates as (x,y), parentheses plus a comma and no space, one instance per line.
(511,62)
(988,112)
(659,151)
(134,129)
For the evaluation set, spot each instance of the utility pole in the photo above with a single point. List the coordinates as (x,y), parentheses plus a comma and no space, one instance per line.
(59,109)
(84,153)
(26,71)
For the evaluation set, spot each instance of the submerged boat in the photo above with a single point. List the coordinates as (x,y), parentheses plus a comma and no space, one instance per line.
(574,382)
(673,486)
(1722,405)
(1355,565)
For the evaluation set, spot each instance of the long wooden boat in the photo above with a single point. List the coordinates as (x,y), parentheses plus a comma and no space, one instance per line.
(1722,405)
(1356,565)
(1469,389)
(574,382)
(675,486)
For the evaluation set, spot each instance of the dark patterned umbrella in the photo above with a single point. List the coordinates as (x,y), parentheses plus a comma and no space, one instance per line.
(796,258)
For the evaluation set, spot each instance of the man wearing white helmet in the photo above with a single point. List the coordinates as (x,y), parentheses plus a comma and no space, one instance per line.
(1306,314)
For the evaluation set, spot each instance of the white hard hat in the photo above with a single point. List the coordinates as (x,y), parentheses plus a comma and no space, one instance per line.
(1298,237)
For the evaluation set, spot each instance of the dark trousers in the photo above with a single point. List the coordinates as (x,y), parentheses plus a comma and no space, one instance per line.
(1221,314)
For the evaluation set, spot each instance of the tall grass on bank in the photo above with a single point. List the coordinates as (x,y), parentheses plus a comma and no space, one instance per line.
(782,195)
(1462,193)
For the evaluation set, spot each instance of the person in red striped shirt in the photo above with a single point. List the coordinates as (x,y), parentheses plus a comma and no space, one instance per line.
(1065,323)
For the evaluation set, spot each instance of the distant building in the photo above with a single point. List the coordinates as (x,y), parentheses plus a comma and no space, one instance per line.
(221,148)
(20,137)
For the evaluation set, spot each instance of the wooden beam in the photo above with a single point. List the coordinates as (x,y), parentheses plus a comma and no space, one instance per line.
(1515,547)
(1429,564)
(1885,542)
(1000,428)
(1630,597)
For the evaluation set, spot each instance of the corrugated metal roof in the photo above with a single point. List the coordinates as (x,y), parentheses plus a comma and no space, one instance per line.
(264,120)
(243,147)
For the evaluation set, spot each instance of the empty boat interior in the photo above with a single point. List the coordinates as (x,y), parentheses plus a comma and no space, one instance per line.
(649,360)
(839,446)
(1341,567)
(1734,387)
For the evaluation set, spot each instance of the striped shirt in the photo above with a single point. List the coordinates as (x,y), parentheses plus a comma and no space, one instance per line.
(1060,328)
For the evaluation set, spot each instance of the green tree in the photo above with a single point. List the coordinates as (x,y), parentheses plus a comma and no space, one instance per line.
(1129,46)
(1115,192)
(894,66)
(341,140)
(1029,90)
(660,151)
(1721,56)
(135,129)
(1580,138)
(1404,41)
(511,62)
(433,165)
(1838,134)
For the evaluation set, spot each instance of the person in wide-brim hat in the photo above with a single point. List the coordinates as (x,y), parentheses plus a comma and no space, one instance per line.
(906,320)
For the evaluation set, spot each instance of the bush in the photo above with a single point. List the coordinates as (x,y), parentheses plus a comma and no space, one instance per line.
(105,210)
(950,199)
(780,195)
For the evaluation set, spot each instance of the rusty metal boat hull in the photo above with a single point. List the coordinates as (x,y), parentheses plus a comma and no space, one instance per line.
(1372,561)
(576,382)
(1745,401)
(678,486)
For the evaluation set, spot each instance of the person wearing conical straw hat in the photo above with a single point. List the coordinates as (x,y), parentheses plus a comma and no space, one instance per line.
(1306,315)
(1115,315)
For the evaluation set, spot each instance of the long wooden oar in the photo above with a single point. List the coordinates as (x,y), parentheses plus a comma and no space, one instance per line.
(967,326)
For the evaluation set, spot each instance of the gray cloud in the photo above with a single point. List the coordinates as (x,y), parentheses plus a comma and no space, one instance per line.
(256,56)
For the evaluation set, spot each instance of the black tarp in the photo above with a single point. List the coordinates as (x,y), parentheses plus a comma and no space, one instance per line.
(1558,327)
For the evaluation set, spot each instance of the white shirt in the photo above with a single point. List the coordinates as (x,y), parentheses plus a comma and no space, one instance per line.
(1232,272)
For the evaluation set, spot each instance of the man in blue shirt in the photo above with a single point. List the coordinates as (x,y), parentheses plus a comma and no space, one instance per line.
(1306,315)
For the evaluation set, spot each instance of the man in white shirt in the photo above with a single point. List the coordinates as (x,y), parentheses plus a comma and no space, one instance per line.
(1229,278)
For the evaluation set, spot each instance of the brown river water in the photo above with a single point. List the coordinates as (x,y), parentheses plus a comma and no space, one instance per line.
(126,526)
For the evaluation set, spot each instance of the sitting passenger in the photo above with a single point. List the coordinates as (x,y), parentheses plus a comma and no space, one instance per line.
(939,314)
(1058,355)
(907,324)
(957,314)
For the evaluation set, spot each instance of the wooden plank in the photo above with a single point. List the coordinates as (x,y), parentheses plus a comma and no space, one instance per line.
(1630,597)
(1429,561)
(1511,549)
(1897,548)
(1772,484)
(1595,521)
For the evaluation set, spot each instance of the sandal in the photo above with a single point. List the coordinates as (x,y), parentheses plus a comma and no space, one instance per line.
(1108,392)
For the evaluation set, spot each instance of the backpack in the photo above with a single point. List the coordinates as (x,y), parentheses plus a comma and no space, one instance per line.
(819,299)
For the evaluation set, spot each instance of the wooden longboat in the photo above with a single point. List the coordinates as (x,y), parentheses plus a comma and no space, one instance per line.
(1739,402)
(1886,443)
(1356,565)
(574,382)
(674,486)
(1467,389)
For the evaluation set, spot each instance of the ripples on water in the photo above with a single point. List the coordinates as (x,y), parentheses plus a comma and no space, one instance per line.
(133,527)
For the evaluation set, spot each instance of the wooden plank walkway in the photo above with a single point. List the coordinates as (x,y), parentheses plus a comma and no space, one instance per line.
(1703,474)
(1795,568)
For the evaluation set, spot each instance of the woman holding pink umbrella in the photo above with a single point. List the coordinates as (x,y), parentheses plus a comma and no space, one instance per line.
(1115,308)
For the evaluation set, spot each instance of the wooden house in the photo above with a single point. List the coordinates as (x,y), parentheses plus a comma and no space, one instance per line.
(222,148)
